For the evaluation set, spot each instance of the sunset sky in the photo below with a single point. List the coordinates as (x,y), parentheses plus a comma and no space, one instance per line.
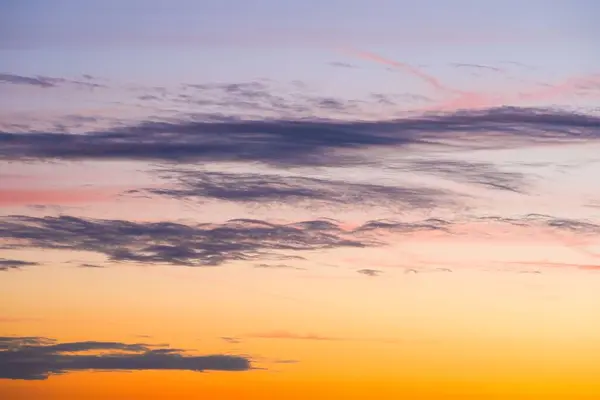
(334,199)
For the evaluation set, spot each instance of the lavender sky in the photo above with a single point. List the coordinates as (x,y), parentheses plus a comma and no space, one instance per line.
(334,199)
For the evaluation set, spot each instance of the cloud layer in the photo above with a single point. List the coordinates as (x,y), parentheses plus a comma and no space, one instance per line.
(273,188)
(302,142)
(174,243)
(37,358)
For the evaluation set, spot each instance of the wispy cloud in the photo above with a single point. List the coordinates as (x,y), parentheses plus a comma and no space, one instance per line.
(231,340)
(432,81)
(292,336)
(173,243)
(304,142)
(271,188)
(549,264)
(341,64)
(46,82)
(369,272)
(477,66)
(25,80)
(7,264)
(278,266)
(456,99)
(36,358)
(476,173)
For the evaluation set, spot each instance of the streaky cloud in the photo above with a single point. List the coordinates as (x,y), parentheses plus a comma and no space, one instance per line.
(46,81)
(37,358)
(478,173)
(369,272)
(7,264)
(303,142)
(174,243)
(273,188)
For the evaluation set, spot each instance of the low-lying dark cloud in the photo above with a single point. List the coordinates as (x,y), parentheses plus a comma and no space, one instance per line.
(271,188)
(301,142)
(36,358)
(8,264)
(174,243)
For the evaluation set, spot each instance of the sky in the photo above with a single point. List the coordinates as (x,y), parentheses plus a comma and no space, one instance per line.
(303,199)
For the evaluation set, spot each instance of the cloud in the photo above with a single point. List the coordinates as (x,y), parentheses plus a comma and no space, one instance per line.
(550,264)
(477,173)
(87,265)
(340,64)
(8,264)
(174,243)
(231,340)
(464,100)
(435,83)
(369,272)
(477,66)
(272,188)
(286,335)
(277,266)
(34,358)
(548,221)
(256,99)
(293,336)
(302,142)
(25,80)
(46,82)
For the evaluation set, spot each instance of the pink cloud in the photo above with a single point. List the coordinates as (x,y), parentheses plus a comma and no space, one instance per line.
(463,100)
(430,80)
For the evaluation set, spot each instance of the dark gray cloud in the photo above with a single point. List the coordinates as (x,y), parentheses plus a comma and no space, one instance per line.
(87,265)
(25,80)
(35,358)
(8,264)
(271,188)
(301,142)
(174,243)
(387,225)
(45,81)
(369,272)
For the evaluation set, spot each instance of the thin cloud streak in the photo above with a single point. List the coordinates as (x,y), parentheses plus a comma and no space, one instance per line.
(468,100)
(430,80)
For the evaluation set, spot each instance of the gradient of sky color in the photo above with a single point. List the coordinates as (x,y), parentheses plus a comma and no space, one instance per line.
(291,199)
